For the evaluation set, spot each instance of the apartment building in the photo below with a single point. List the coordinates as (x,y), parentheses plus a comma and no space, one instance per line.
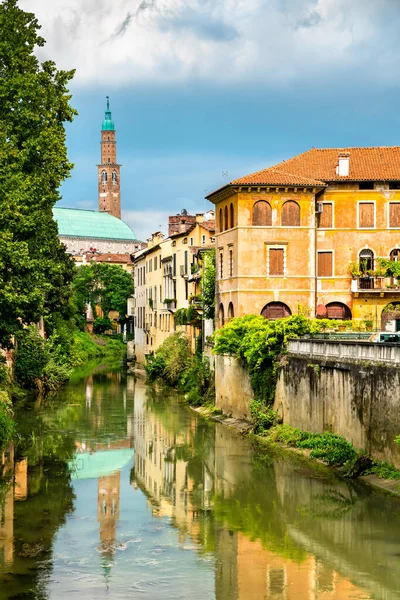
(164,281)
(305,236)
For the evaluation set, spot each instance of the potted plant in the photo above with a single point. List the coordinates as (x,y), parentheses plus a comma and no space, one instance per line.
(354,269)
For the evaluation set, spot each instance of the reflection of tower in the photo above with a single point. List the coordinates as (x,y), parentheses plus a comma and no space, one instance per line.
(108,511)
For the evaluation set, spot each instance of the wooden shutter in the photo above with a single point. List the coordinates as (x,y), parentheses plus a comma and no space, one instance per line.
(366,214)
(276,261)
(262,214)
(325,264)
(291,214)
(394,214)
(325,218)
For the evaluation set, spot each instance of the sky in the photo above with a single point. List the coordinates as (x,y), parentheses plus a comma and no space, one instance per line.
(205,91)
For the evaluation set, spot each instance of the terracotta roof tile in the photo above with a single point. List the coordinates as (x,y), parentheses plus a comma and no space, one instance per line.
(208,225)
(113,258)
(318,166)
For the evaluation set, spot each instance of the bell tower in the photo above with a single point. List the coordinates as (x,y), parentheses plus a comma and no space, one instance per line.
(109,170)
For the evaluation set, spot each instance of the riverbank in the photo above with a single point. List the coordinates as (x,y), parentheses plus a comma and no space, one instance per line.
(273,445)
(40,371)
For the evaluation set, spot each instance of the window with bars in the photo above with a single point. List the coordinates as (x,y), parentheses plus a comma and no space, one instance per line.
(276,262)
(366,215)
(325,264)
(326,217)
(394,214)
(230,263)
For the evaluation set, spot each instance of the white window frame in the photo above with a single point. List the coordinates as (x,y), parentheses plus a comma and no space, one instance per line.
(332,251)
(277,247)
(358,214)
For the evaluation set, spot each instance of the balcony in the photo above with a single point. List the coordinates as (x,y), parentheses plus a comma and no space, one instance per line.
(170,303)
(382,286)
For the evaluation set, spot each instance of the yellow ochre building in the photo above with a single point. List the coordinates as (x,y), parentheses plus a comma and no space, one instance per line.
(305,235)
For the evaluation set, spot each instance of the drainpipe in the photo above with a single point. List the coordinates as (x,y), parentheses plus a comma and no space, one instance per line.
(316,199)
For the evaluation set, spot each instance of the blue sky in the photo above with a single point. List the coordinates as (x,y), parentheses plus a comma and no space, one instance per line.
(203,91)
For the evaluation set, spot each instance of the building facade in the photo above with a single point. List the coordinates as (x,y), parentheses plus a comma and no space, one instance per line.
(165,280)
(305,237)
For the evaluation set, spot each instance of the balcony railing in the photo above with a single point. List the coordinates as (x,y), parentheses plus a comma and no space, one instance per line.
(378,284)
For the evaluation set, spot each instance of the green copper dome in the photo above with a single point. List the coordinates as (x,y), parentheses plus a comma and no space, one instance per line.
(78,223)
(108,123)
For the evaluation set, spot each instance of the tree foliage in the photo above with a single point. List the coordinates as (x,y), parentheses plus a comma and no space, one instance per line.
(35,271)
(208,284)
(104,284)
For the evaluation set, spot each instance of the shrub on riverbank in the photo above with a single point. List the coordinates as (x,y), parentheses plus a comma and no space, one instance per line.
(174,363)
(260,343)
(6,422)
(45,365)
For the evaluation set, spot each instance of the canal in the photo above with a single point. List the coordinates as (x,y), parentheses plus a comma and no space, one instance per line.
(116,490)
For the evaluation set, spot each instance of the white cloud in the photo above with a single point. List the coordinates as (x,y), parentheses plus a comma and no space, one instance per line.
(144,223)
(264,41)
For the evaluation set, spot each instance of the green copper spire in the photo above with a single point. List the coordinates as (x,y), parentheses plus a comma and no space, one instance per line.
(108,123)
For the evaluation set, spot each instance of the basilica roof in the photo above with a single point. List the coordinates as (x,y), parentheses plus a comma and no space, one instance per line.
(76,223)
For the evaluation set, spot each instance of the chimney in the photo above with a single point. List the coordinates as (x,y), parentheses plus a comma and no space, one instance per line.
(343,167)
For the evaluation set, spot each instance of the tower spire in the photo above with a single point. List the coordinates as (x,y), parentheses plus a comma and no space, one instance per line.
(109,169)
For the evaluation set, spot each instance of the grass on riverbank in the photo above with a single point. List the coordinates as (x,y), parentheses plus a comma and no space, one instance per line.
(331,449)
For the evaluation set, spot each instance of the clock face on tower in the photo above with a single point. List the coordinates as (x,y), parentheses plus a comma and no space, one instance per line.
(109,169)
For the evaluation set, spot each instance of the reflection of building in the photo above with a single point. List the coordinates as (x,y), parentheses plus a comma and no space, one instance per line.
(161,468)
(7,510)
(108,511)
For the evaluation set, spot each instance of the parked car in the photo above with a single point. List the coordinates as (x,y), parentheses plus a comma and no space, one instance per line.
(385,337)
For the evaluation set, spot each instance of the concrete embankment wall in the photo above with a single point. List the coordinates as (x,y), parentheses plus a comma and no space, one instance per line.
(359,400)
(349,389)
(233,391)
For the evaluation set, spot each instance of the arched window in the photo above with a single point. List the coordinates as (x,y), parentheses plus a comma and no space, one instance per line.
(226,218)
(366,260)
(114,177)
(290,214)
(232,215)
(221,315)
(276,310)
(338,310)
(108,138)
(262,214)
(109,159)
(104,177)
(231,311)
(221,220)
(389,313)
(395,255)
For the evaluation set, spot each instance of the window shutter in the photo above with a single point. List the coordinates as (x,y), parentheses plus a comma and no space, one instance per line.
(325,264)
(291,214)
(394,214)
(262,214)
(276,261)
(366,214)
(325,218)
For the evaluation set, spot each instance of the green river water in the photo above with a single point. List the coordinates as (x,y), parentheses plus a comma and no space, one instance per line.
(117,490)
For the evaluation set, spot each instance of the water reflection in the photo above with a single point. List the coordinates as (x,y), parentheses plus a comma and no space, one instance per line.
(117,490)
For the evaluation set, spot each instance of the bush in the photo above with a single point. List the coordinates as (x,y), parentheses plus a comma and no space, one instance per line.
(102,324)
(31,357)
(174,364)
(263,417)
(6,425)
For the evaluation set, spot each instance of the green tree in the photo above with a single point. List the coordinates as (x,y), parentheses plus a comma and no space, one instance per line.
(35,272)
(107,285)
(208,284)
